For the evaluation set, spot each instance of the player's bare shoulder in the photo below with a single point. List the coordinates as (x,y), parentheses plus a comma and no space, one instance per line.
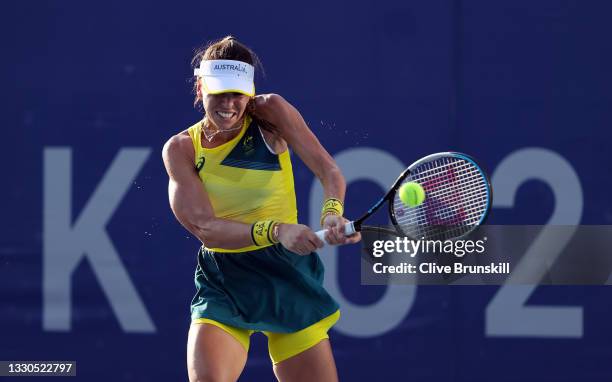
(178,149)
(271,107)
(267,102)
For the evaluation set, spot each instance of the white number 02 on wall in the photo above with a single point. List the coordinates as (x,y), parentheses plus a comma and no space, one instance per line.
(507,314)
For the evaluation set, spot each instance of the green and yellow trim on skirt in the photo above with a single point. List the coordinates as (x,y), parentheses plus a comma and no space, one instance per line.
(269,289)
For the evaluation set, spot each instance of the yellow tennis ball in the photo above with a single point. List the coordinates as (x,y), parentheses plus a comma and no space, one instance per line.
(412,194)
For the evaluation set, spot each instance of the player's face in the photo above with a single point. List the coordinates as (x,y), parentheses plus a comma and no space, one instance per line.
(225,110)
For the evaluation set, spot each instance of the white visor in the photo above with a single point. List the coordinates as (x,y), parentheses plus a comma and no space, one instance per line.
(226,76)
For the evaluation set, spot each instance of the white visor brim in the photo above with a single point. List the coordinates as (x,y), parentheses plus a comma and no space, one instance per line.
(218,85)
(226,76)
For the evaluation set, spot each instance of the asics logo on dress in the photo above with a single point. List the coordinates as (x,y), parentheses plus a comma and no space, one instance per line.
(200,164)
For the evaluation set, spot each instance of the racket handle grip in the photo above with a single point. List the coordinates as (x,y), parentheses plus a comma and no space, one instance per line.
(349,229)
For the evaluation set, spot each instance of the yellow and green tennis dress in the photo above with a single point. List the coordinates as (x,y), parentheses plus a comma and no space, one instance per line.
(256,288)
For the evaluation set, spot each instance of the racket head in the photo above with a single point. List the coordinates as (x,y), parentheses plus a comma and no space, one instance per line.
(458,198)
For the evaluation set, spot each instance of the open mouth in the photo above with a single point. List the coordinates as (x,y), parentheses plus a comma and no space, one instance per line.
(225,114)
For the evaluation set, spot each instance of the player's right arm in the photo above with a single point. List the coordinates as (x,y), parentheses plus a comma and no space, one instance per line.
(190,203)
(192,208)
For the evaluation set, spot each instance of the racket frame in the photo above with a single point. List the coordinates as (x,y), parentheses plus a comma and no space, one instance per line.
(358,226)
(390,197)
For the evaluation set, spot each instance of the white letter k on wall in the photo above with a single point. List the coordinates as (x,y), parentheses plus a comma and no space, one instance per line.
(65,244)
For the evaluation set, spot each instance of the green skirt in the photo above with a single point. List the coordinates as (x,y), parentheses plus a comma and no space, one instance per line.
(269,289)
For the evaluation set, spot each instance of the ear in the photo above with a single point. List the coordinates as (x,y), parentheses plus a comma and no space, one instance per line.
(251,105)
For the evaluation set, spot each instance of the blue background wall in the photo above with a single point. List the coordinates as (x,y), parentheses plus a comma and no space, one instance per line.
(521,85)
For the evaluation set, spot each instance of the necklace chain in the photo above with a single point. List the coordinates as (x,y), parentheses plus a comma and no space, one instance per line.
(210,132)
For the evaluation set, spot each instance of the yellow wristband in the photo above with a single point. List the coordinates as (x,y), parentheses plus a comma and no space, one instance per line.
(262,232)
(331,206)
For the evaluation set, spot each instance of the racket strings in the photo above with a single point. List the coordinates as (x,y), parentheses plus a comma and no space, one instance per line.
(454,205)
(450,208)
(456,200)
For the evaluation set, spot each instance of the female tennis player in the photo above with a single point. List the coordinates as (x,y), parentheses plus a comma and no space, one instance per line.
(231,185)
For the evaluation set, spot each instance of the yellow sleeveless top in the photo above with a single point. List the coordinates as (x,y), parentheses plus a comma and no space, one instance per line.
(244,180)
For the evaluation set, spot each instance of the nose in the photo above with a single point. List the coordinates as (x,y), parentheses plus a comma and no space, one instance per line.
(227,99)
(224,98)
(229,96)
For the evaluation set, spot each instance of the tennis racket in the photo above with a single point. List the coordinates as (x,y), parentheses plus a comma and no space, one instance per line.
(457,200)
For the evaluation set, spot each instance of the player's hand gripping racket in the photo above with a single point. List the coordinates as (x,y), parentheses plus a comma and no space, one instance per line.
(457,200)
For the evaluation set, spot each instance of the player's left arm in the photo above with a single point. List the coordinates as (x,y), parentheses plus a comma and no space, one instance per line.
(293,129)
